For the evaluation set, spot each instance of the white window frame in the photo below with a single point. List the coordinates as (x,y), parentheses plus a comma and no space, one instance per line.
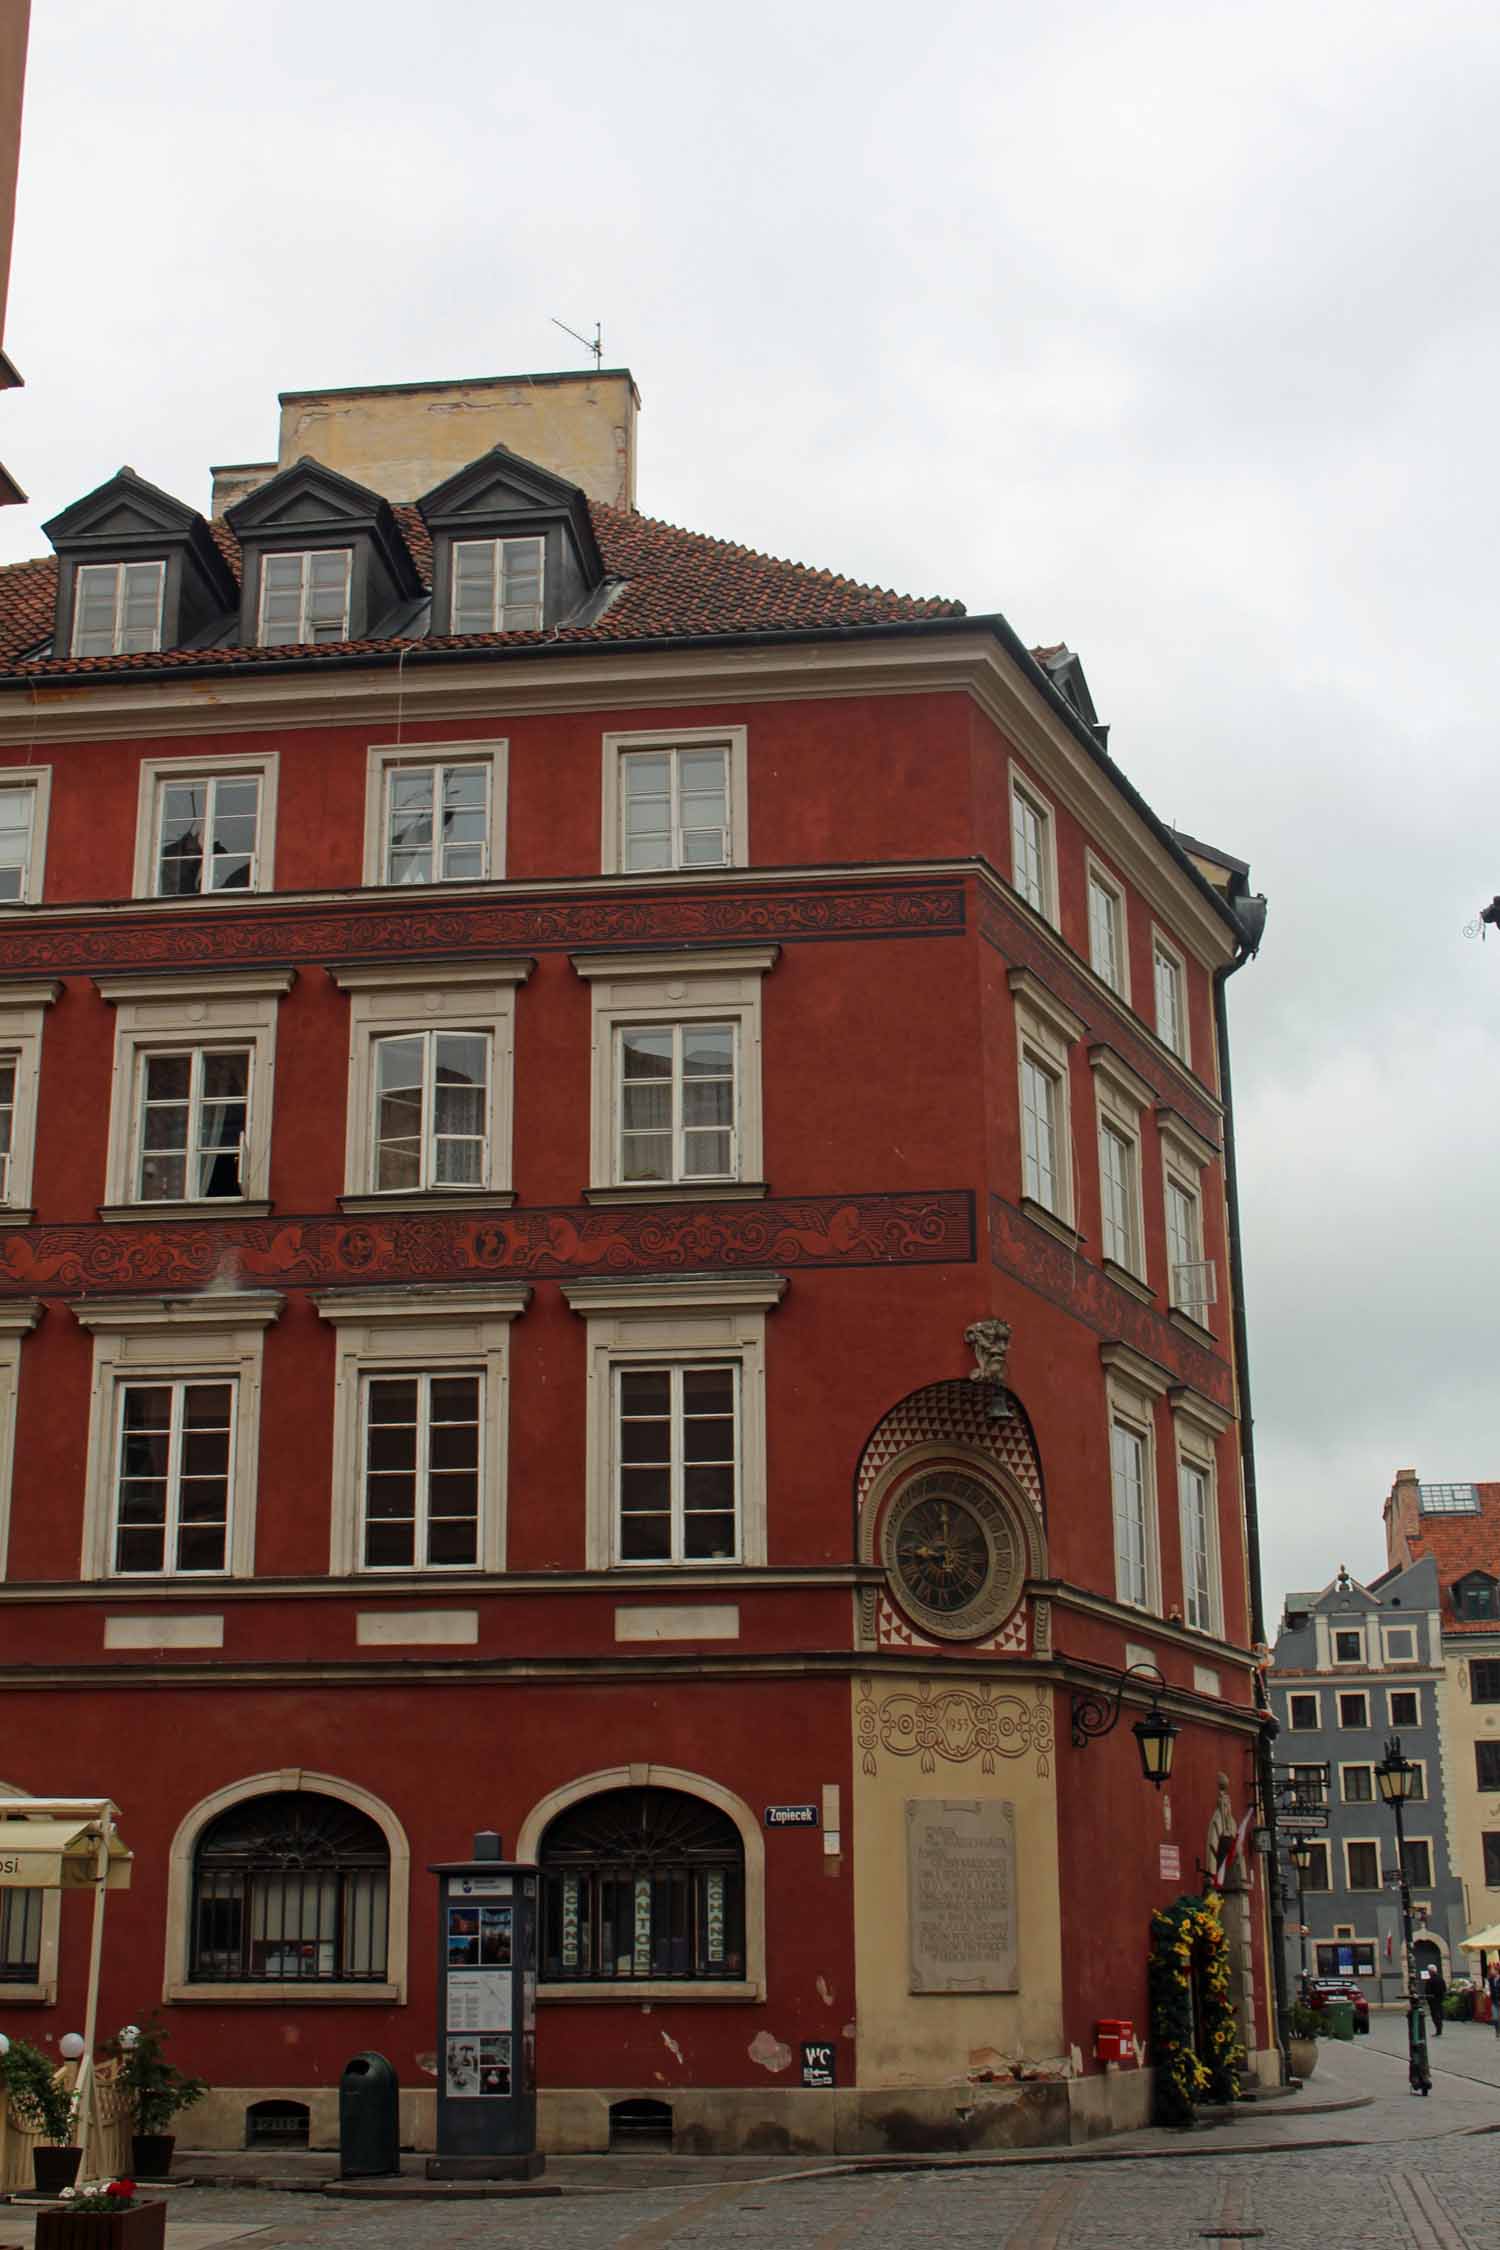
(45,1987)
(1390,1711)
(678,1129)
(650,989)
(1163,949)
(387,1000)
(1386,1632)
(674,1368)
(689,1321)
(23,1013)
(1045,1033)
(81,571)
(1357,1660)
(1023,790)
(18,1317)
(1317,1726)
(734,739)
(385,758)
(304,555)
(1120,1099)
(459,1329)
(154,773)
(497,606)
(1132,1386)
(38,779)
(219,1008)
(1348,1843)
(1097,876)
(172,1516)
(1196,1452)
(1185,1159)
(1357,1765)
(198,1337)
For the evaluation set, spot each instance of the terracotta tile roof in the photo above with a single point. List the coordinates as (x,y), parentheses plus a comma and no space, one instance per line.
(1459,1544)
(671,583)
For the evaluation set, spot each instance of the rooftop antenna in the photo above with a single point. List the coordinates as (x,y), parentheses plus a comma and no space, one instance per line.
(596,346)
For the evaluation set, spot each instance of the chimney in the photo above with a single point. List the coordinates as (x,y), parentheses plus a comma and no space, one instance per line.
(1403,1512)
(401,439)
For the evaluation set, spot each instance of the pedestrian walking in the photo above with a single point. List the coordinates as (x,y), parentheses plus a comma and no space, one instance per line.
(1437,1991)
(1494,1985)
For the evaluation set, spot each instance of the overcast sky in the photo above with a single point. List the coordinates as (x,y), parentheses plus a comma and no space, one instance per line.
(1169,331)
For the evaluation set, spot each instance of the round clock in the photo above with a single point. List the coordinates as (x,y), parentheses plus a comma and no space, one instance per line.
(954,1555)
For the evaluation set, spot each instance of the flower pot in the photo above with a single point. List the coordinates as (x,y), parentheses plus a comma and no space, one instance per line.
(151,2155)
(54,2168)
(1304,2056)
(142,2227)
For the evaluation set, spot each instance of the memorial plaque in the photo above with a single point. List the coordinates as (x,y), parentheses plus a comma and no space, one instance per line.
(961,1894)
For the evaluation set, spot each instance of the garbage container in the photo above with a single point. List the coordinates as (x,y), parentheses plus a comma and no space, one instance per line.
(369,2119)
(1339,2017)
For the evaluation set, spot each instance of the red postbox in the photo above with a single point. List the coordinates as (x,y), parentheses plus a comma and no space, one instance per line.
(1114,2040)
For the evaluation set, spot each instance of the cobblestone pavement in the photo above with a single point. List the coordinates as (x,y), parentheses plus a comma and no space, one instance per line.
(1470,2050)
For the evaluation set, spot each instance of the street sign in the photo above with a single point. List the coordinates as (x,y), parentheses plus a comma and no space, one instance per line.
(818,2058)
(791,1816)
(1309,1820)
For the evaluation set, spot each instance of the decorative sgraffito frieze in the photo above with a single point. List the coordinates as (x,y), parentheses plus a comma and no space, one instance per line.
(442,928)
(957,1724)
(859,1230)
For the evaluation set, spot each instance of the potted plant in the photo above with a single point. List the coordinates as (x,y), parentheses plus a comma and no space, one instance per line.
(157,2090)
(39,2104)
(105,2218)
(1302,2040)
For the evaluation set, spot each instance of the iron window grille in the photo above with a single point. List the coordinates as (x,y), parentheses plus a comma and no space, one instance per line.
(674,808)
(207,834)
(497,586)
(642,1883)
(437,822)
(117,608)
(305,597)
(20,1936)
(290,1888)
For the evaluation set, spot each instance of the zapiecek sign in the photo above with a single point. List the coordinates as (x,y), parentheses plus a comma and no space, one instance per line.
(791,1816)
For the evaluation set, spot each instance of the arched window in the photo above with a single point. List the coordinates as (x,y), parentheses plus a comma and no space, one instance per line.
(290,1885)
(642,1883)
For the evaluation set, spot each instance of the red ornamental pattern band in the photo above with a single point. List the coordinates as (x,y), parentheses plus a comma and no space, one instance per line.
(238,936)
(851,1230)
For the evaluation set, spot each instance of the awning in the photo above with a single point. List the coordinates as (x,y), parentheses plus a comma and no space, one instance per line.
(50,1855)
(1483,1941)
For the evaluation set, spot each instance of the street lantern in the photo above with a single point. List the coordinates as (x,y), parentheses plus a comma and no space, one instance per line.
(1397,1777)
(1299,1851)
(1095,1712)
(1156,1738)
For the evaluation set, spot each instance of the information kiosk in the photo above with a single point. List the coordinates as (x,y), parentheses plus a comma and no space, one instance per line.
(486,2021)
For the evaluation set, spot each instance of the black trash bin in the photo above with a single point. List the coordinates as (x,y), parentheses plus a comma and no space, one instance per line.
(369,2119)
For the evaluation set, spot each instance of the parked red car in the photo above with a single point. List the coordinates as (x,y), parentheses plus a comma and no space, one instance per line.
(1320,1990)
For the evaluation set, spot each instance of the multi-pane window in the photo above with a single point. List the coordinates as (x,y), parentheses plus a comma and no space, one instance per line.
(437,823)
(678,1106)
(1487,1765)
(1195,1498)
(1107,933)
(1029,850)
(1118,1193)
(1354,1709)
(117,608)
(1041,1175)
(305,597)
(191,1124)
(676,1433)
(1416,1861)
(1348,1648)
(1359,1785)
(20,1937)
(172,1485)
(1315,1876)
(1363,1864)
(1184,1248)
(290,1887)
(1484,1680)
(421,1470)
(1476,1597)
(674,807)
(17,823)
(207,835)
(1171,1013)
(1304,1713)
(1307,1787)
(497,586)
(1491,1842)
(1405,1708)
(1418,1783)
(642,1883)
(1128,1460)
(432,1102)
(7,1121)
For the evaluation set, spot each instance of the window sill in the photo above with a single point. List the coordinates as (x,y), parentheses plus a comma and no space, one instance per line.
(1132,1282)
(1050,1223)
(681,1191)
(629,1989)
(216,1207)
(427,1199)
(1191,1327)
(14,1216)
(288,1992)
(180,902)
(32,1995)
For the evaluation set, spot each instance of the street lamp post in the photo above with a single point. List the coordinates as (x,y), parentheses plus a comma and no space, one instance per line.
(1397,1778)
(1299,1852)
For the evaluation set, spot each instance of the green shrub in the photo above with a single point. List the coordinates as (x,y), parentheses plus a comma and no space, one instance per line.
(157,2088)
(37,2102)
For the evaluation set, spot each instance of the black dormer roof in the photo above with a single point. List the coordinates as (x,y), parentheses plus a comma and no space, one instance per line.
(503,496)
(310,506)
(125,520)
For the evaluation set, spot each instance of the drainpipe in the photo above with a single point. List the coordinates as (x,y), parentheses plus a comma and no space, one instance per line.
(1252,915)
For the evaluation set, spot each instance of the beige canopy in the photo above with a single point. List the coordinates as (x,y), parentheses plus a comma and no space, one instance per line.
(1483,1941)
(42,1852)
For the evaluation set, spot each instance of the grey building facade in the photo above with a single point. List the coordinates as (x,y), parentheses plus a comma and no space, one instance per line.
(1354,1665)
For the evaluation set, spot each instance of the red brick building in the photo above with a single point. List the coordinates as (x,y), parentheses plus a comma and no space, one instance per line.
(535,1047)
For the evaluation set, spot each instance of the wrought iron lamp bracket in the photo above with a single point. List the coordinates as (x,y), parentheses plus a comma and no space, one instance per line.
(1096,1710)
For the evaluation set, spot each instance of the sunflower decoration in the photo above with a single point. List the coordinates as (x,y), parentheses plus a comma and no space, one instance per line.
(1188,1941)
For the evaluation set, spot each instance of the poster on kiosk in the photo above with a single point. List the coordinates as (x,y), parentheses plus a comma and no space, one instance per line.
(486,2017)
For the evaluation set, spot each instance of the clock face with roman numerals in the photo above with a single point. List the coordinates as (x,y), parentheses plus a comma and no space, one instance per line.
(954,1554)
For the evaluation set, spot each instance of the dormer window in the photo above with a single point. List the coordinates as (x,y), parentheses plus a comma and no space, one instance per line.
(117,609)
(305,597)
(497,585)
(1474,1597)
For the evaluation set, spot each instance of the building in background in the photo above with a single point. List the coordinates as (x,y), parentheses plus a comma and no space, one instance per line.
(15,25)
(614,1228)
(1457,1528)
(1352,1666)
